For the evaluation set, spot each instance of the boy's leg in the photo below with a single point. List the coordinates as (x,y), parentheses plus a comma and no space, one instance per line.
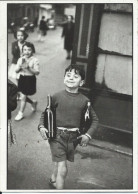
(54,174)
(61,174)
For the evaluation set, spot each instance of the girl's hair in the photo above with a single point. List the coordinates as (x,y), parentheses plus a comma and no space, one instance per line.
(30,45)
(78,70)
(24,33)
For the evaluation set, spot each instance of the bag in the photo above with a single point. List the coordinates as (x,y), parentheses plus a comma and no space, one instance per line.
(86,119)
(50,119)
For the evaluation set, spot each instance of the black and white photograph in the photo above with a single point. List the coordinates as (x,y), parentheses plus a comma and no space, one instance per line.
(71,95)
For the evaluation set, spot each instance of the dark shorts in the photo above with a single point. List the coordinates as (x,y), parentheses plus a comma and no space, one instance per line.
(27,85)
(63,146)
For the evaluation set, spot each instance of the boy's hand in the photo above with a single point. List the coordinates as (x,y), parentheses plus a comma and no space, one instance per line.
(43,132)
(84,140)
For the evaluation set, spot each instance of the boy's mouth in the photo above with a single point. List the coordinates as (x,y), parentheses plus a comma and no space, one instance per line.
(70,82)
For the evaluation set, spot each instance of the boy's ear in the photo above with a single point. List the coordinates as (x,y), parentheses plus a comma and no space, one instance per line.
(82,83)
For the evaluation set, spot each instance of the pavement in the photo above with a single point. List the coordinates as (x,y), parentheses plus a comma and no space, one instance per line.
(99,166)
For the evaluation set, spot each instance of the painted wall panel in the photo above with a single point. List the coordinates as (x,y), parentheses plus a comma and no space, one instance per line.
(99,75)
(116,33)
(124,7)
(116,72)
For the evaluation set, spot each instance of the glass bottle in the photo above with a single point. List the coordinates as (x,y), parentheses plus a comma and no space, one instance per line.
(49,119)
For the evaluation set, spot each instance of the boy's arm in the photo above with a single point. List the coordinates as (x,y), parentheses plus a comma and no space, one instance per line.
(94,123)
(85,138)
(41,128)
(41,122)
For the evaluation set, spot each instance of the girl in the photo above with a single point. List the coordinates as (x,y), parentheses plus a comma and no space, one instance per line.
(28,66)
(21,36)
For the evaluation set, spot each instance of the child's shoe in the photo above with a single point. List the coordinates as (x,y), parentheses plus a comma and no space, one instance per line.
(51,184)
(34,105)
(19,116)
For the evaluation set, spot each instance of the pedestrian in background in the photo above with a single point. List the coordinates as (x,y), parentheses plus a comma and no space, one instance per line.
(70,107)
(68,34)
(28,66)
(17,45)
(11,106)
(42,29)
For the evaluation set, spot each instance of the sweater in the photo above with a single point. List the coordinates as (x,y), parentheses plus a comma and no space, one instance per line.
(69,110)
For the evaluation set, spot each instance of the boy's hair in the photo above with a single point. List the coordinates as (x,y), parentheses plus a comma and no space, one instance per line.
(24,33)
(78,70)
(30,45)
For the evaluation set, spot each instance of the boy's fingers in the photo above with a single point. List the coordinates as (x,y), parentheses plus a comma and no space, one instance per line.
(43,134)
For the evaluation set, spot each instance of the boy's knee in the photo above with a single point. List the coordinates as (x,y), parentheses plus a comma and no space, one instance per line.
(62,170)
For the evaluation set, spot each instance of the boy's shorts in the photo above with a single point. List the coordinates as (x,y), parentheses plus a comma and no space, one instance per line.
(63,146)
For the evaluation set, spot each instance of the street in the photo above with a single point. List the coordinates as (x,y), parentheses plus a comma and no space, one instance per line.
(29,162)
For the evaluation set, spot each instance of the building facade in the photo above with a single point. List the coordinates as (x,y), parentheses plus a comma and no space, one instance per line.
(103,47)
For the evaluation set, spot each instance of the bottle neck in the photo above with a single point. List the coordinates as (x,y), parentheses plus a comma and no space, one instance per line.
(88,104)
(48,101)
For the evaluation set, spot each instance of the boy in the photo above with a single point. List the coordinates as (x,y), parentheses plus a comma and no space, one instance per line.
(69,104)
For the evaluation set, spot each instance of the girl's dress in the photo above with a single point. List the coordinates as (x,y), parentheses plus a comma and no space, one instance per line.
(17,53)
(27,80)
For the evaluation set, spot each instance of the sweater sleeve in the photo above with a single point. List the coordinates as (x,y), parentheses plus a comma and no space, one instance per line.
(41,121)
(94,123)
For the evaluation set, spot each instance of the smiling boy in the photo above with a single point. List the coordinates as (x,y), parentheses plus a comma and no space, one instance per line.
(70,105)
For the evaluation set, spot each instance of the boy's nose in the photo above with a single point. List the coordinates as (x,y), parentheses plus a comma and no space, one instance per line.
(71,77)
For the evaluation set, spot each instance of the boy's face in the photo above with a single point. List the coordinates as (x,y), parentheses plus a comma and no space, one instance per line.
(20,36)
(27,51)
(73,80)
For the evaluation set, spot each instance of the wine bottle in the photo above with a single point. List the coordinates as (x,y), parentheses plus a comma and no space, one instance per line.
(49,119)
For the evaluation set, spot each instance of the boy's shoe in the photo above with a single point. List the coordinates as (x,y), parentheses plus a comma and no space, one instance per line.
(34,105)
(19,116)
(51,184)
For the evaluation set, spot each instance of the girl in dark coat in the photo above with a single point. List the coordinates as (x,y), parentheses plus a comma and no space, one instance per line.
(68,34)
